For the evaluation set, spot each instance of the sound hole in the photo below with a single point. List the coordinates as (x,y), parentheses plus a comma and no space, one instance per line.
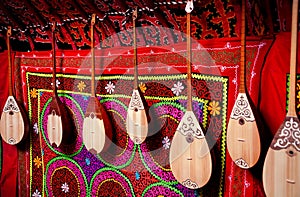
(291,153)
(11,113)
(189,138)
(92,115)
(241,121)
(136,109)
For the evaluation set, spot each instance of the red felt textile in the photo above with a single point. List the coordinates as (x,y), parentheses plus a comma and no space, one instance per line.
(274,77)
(8,180)
(237,182)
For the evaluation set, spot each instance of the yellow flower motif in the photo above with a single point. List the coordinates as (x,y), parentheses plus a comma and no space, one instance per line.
(33,93)
(37,162)
(298,96)
(143,87)
(214,108)
(81,85)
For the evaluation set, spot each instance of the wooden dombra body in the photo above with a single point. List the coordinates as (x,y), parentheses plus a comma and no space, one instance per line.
(97,129)
(137,119)
(190,157)
(60,125)
(14,123)
(281,171)
(243,138)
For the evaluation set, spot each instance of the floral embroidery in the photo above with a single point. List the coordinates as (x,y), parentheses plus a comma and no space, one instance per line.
(87,161)
(214,108)
(177,88)
(35,128)
(166,142)
(81,85)
(33,93)
(298,97)
(247,184)
(143,87)
(65,187)
(86,98)
(57,83)
(36,194)
(110,87)
(137,175)
(37,162)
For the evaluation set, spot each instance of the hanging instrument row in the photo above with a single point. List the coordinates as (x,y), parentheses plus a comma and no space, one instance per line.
(189,148)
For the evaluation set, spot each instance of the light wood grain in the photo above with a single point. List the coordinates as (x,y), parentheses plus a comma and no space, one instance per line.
(12,125)
(190,158)
(14,122)
(137,125)
(243,138)
(60,126)
(93,134)
(136,119)
(243,143)
(96,124)
(54,129)
(281,171)
(97,130)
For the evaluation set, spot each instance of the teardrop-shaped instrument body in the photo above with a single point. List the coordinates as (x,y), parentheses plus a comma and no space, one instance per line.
(12,122)
(137,120)
(190,157)
(281,171)
(95,125)
(60,127)
(243,140)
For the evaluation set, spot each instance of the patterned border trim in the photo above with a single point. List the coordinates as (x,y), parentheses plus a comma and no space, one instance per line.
(224,127)
(70,160)
(114,77)
(110,169)
(43,132)
(123,165)
(114,97)
(106,180)
(223,138)
(164,185)
(151,172)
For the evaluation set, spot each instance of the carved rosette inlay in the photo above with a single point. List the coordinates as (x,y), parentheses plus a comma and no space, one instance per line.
(11,105)
(242,163)
(190,127)
(190,184)
(241,108)
(136,101)
(289,135)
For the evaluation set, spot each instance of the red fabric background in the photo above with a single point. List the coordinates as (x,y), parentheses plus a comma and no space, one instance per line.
(8,181)
(272,106)
(273,86)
